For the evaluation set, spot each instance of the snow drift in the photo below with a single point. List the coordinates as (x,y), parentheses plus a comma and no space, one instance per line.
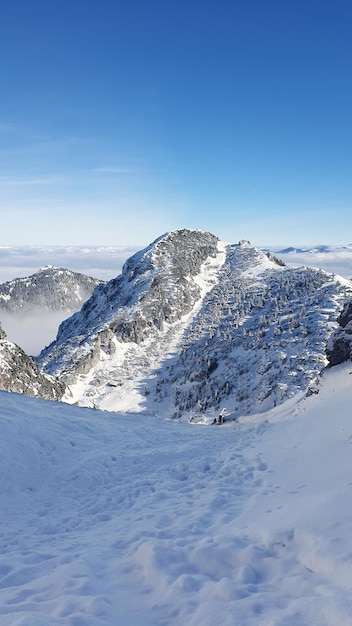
(110,519)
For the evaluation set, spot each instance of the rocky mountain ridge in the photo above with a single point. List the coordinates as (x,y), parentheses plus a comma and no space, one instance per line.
(193,324)
(20,373)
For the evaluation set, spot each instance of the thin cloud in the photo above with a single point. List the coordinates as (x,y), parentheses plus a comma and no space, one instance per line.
(10,182)
(111,170)
(104,262)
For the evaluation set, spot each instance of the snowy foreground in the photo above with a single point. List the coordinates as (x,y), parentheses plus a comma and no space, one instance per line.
(136,521)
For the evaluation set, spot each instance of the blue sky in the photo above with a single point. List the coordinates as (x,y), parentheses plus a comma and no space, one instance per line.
(122,120)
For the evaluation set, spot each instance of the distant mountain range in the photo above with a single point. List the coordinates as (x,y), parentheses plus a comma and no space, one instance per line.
(316,249)
(336,259)
(193,324)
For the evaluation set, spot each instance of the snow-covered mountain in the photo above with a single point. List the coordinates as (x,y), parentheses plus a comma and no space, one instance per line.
(31,308)
(193,324)
(20,373)
(319,249)
(49,289)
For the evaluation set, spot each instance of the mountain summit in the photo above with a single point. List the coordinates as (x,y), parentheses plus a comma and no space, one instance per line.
(194,324)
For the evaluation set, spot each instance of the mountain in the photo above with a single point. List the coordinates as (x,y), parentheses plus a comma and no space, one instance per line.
(193,324)
(49,289)
(20,373)
(32,308)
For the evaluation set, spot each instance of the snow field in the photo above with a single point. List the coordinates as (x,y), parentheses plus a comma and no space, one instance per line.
(115,520)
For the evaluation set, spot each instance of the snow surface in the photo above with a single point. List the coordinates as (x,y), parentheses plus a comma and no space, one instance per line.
(116,520)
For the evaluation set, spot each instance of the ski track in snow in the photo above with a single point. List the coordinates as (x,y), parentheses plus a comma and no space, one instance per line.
(116,520)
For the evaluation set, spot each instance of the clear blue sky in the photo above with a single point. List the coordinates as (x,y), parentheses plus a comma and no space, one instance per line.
(120,120)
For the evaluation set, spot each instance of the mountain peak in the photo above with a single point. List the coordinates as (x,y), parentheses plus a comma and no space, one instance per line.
(193,323)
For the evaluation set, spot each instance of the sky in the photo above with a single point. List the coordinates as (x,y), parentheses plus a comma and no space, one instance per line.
(120,121)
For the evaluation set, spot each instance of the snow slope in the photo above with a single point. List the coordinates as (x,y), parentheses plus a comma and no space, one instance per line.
(115,520)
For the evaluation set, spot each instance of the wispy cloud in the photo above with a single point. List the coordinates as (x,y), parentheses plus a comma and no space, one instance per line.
(112,170)
(103,262)
(15,182)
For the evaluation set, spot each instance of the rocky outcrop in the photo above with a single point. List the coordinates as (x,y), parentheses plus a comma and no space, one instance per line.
(156,287)
(339,347)
(20,373)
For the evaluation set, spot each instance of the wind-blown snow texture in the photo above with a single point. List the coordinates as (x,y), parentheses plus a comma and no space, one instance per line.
(193,324)
(113,520)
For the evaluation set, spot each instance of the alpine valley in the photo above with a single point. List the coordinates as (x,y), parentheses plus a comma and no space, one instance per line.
(193,325)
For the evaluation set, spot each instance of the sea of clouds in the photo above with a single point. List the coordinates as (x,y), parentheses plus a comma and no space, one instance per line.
(104,262)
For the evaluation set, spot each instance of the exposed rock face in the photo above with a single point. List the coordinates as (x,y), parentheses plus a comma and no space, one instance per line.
(20,373)
(156,287)
(51,289)
(339,347)
(193,323)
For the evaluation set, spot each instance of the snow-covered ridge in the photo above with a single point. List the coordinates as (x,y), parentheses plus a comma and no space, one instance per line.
(192,324)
